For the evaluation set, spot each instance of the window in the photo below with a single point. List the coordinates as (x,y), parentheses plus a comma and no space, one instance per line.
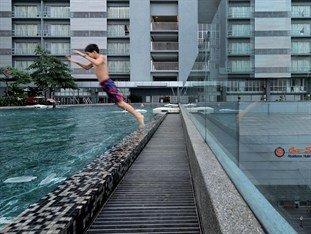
(58,48)
(240,66)
(120,30)
(26,29)
(118,12)
(58,30)
(301,29)
(118,48)
(119,66)
(301,65)
(301,11)
(301,47)
(240,30)
(22,64)
(26,11)
(25,47)
(239,12)
(239,48)
(57,11)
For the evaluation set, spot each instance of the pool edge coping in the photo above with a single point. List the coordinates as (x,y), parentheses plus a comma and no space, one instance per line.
(73,204)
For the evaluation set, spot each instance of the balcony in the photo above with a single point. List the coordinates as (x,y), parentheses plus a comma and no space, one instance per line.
(26,33)
(119,52)
(23,51)
(301,33)
(118,13)
(26,14)
(166,26)
(239,15)
(164,46)
(301,69)
(239,70)
(200,66)
(300,14)
(239,33)
(64,14)
(164,66)
(239,52)
(56,33)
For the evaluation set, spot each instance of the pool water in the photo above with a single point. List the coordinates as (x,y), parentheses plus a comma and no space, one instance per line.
(40,148)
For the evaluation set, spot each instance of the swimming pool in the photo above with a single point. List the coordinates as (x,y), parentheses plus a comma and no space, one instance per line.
(40,148)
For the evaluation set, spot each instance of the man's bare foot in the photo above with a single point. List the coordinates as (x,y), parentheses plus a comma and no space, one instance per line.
(141,121)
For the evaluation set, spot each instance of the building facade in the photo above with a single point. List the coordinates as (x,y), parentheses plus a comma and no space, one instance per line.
(261,50)
(151,45)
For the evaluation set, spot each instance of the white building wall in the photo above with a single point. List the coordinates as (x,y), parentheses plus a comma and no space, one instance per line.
(272,38)
(88,24)
(188,36)
(140,46)
(5,33)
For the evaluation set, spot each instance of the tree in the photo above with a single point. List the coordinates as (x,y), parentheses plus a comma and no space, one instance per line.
(13,79)
(50,73)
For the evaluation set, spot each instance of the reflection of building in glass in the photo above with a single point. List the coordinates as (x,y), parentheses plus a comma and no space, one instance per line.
(256,77)
(262,48)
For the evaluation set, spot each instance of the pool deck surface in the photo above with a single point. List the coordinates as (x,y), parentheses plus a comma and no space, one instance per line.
(156,193)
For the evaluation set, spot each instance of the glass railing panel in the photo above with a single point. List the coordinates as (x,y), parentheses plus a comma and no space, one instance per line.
(259,128)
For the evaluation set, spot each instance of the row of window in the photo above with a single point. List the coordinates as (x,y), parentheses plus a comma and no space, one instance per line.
(297,47)
(245,30)
(51,11)
(277,85)
(302,65)
(246,11)
(33,11)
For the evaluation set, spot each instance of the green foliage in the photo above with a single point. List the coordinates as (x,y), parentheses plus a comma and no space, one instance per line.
(49,72)
(13,78)
(12,101)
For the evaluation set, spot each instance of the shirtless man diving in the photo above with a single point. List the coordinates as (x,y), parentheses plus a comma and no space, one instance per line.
(99,63)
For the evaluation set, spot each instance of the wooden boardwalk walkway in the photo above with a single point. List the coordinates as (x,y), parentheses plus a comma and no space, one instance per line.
(155,195)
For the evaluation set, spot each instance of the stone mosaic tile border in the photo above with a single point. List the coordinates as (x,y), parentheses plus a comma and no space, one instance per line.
(72,206)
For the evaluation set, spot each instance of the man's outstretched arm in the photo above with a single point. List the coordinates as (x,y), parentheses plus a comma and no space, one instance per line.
(85,66)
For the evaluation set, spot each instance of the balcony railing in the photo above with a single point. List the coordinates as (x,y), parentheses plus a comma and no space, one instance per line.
(301,32)
(19,51)
(239,15)
(200,66)
(239,52)
(26,14)
(302,69)
(164,66)
(26,33)
(119,69)
(57,14)
(122,14)
(167,26)
(239,33)
(239,70)
(301,51)
(63,33)
(164,46)
(38,14)
(301,14)
(125,51)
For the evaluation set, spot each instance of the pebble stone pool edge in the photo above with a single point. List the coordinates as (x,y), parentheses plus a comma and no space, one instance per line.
(71,207)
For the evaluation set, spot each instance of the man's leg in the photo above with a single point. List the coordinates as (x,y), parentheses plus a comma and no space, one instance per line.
(130,109)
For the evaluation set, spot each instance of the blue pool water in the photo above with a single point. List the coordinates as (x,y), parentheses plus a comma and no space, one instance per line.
(40,148)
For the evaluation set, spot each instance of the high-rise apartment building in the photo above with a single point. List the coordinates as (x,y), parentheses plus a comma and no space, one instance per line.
(151,44)
(261,49)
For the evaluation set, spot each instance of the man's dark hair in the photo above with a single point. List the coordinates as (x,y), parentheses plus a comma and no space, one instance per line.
(91,47)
